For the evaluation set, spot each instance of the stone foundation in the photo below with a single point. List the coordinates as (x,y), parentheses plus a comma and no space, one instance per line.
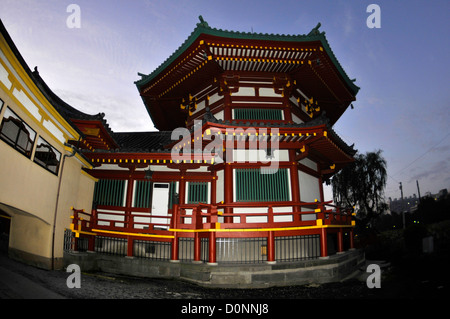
(331,269)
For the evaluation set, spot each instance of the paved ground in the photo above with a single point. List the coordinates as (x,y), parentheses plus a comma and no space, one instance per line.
(19,281)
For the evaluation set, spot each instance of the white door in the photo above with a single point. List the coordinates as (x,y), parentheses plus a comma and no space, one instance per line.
(160,205)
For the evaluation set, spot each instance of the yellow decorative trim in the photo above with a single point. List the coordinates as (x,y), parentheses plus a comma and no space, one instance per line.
(319,225)
(90,176)
(37,95)
(131,234)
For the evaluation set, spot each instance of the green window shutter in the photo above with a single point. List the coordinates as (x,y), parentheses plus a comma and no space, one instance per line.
(258,114)
(253,186)
(197,192)
(172,192)
(109,192)
(142,194)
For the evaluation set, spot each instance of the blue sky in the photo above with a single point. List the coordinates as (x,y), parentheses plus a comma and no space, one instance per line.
(402,67)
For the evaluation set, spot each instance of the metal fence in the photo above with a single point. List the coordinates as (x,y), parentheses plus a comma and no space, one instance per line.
(228,250)
(241,250)
(111,246)
(155,250)
(69,242)
(186,249)
(292,248)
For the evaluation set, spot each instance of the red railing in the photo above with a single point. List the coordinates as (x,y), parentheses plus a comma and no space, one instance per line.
(220,220)
(204,220)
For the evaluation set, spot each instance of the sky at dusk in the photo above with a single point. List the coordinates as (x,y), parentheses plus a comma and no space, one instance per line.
(402,68)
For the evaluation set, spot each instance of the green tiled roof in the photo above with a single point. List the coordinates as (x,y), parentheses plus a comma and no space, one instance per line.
(203,28)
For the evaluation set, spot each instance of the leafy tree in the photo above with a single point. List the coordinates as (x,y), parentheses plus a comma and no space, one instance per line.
(361,185)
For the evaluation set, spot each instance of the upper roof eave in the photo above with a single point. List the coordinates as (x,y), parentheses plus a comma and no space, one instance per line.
(203,28)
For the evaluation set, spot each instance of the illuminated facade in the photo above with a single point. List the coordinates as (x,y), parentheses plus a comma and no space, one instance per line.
(235,172)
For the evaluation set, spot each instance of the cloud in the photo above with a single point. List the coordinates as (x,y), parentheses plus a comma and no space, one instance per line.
(121,113)
(438,172)
(348,22)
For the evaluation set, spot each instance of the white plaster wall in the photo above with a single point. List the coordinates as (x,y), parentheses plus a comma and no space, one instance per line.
(309,163)
(309,191)
(220,186)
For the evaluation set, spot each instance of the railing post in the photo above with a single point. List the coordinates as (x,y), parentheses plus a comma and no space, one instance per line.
(298,216)
(213,216)
(75,228)
(197,218)
(271,248)
(93,220)
(320,215)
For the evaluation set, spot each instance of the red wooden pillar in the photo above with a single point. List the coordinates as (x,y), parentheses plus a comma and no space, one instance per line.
(287,105)
(228,170)
(174,251)
(129,202)
(213,188)
(340,241)
(91,243)
(295,187)
(322,197)
(227,113)
(128,216)
(228,190)
(212,248)
(352,243)
(197,248)
(130,242)
(323,243)
(182,190)
(271,248)
(174,222)
(174,225)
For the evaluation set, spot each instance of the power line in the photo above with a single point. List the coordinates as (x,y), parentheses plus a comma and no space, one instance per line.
(404,168)
(393,178)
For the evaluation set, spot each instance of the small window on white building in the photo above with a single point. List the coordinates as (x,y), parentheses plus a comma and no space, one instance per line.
(17,133)
(47,156)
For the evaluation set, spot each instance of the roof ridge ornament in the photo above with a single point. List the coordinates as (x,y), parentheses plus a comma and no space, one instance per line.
(320,120)
(315,30)
(208,116)
(202,22)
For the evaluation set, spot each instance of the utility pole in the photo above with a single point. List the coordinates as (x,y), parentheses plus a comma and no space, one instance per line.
(418,190)
(403,210)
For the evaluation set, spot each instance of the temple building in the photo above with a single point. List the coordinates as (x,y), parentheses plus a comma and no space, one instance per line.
(234,173)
